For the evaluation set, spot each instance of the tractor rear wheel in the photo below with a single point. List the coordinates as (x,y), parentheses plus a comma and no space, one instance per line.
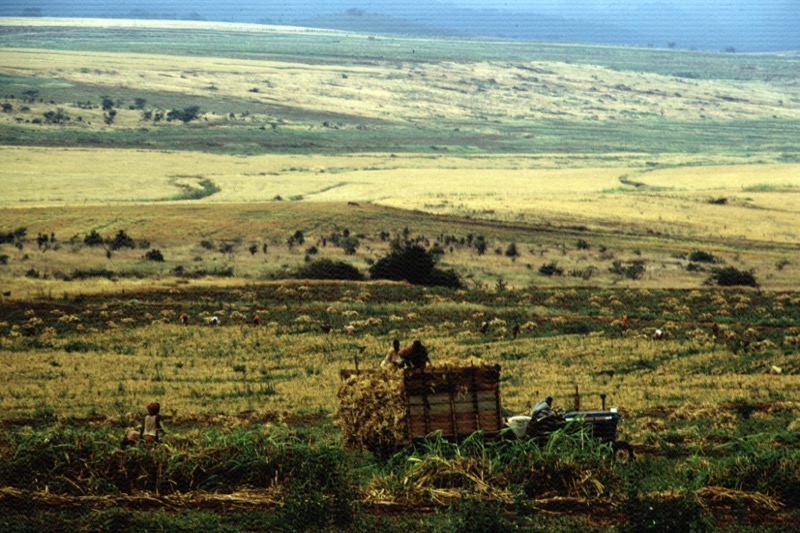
(623,452)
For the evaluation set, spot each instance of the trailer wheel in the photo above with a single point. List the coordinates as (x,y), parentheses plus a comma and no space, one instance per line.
(623,452)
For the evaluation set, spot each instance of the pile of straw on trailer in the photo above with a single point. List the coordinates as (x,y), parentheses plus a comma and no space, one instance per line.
(388,407)
(372,409)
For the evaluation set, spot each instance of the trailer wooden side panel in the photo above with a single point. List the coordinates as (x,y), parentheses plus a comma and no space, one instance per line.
(455,401)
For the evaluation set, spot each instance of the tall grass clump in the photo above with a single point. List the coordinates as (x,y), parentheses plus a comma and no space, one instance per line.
(766,469)
(68,460)
(660,497)
(320,492)
(569,463)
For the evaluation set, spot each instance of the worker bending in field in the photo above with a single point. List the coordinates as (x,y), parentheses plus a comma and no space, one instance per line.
(393,359)
(415,356)
(151,429)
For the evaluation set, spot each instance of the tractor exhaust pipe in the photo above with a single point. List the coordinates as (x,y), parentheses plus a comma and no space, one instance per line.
(603,398)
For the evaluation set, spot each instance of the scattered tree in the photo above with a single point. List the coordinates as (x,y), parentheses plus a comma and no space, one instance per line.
(512,251)
(59,116)
(121,240)
(93,239)
(187,114)
(480,245)
(349,244)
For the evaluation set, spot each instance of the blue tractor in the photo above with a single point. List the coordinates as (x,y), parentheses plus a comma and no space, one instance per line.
(602,424)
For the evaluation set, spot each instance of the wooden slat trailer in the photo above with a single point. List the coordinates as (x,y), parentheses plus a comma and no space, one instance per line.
(386,408)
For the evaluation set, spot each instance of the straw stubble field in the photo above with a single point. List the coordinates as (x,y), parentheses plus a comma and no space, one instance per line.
(695,402)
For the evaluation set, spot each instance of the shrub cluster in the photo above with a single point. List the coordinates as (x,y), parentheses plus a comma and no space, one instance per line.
(731,276)
(408,261)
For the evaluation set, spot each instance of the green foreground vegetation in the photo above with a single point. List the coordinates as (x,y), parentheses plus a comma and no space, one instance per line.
(483,484)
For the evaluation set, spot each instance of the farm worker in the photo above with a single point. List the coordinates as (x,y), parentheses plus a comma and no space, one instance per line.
(131,436)
(184,319)
(658,334)
(415,356)
(214,321)
(542,408)
(515,330)
(624,321)
(348,329)
(484,327)
(392,358)
(256,320)
(152,427)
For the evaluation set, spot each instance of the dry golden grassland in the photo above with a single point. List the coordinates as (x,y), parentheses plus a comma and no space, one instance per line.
(664,193)
(444,92)
(673,200)
(180,232)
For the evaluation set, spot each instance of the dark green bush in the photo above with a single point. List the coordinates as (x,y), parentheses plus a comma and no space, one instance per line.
(187,114)
(410,262)
(699,256)
(512,250)
(551,269)
(731,276)
(154,255)
(329,269)
(349,244)
(121,240)
(92,273)
(93,239)
(630,270)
